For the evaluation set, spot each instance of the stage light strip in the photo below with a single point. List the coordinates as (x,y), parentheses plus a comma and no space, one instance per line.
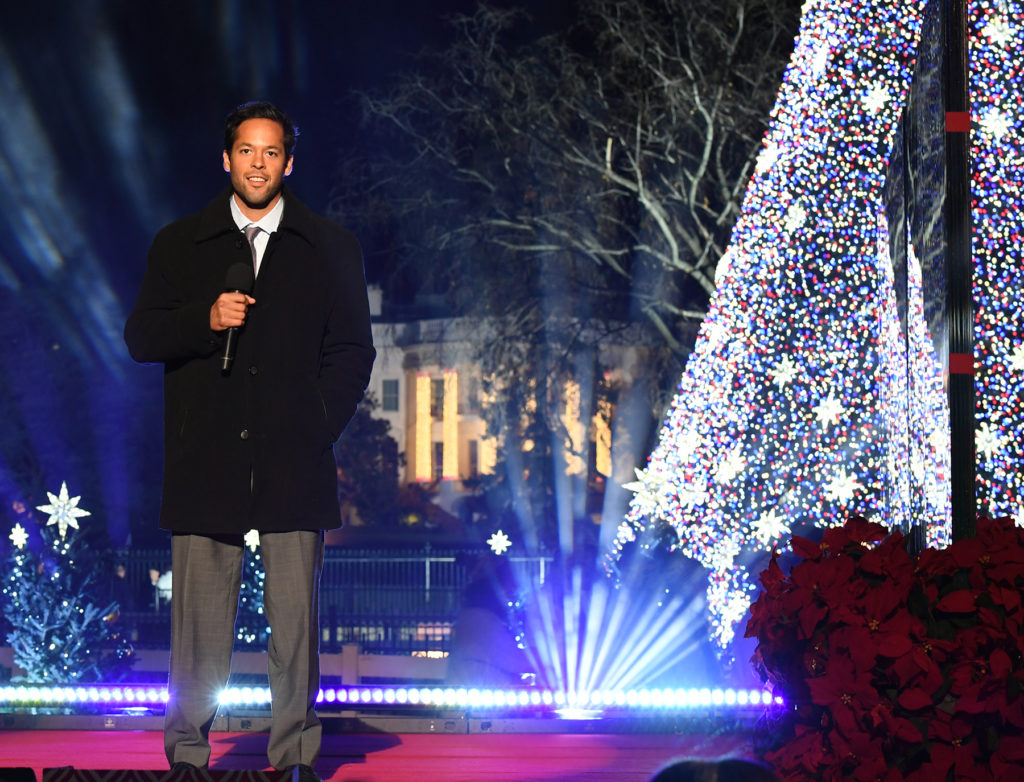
(643,700)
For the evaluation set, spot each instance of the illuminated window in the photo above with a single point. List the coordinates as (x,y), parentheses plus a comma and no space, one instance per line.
(450,425)
(422,460)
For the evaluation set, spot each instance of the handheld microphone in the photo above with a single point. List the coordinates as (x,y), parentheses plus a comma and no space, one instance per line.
(239,279)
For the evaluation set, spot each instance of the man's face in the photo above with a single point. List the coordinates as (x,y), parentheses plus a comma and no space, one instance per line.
(257,165)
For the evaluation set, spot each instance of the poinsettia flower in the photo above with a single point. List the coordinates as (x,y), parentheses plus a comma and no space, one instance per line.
(890,561)
(821,584)
(1002,541)
(861,754)
(976,689)
(846,692)
(914,659)
(921,666)
(899,727)
(856,530)
(1008,598)
(967,552)
(805,549)
(881,610)
(806,752)
(954,747)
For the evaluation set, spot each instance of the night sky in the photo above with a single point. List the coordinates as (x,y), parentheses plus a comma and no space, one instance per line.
(111,126)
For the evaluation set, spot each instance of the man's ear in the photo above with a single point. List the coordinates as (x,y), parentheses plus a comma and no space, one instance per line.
(288,168)
(227,162)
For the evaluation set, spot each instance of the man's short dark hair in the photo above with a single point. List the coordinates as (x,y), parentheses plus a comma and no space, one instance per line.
(260,109)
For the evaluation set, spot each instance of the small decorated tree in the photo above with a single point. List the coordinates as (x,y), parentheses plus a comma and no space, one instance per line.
(251,628)
(58,628)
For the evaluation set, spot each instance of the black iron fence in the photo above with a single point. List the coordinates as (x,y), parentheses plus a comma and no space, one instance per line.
(388,601)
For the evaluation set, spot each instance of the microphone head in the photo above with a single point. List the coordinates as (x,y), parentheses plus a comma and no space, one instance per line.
(239,278)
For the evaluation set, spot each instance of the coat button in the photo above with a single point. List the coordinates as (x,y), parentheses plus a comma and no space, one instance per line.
(245,434)
(253,371)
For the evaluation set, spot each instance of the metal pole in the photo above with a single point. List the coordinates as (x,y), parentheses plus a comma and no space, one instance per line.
(957,219)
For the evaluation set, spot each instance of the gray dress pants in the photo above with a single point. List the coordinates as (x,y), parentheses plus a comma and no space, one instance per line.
(206,575)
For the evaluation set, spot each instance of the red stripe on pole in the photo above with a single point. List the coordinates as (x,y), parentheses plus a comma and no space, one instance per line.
(961,364)
(958,122)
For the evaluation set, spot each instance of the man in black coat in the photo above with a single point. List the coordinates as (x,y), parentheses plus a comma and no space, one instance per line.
(249,442)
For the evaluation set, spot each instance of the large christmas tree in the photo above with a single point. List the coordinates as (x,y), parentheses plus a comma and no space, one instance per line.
(808,396)
(796,407)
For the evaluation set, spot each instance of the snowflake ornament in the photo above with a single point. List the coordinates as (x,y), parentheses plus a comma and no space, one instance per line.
(842,487)
(63,510)
(876,99)
(768,158)
(769,526)
(995,124)
(252,540)
(1016,362)
(784,372)
(795,218)
(819,60)
(998,31)
(731,466)
(988,440)
(499,542)
(828,411)
(18,536)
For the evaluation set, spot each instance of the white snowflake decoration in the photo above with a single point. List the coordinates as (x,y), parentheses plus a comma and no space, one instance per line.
(499,542)
(688,445)
(691,495)
(795,218)
(828,411)
(995,124)
(1016,361)
(768,158)
(876,99)
(784,372)
(647,486)
(63,510)
(252,540)
(18,536)
(988,440)
(770,526)
(842,487)
(999,31)
(731,466)
(820,58)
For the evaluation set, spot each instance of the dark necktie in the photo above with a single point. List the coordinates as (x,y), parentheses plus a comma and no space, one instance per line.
(250,234)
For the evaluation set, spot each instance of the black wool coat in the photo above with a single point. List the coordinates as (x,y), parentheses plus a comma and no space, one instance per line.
(253,448)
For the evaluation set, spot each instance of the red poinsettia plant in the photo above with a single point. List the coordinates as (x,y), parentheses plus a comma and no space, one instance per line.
(893,666)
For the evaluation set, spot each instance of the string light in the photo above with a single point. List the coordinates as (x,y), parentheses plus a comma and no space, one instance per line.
(997,158)
(794,409)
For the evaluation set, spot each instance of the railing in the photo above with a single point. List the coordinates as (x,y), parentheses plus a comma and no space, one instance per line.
(388,601)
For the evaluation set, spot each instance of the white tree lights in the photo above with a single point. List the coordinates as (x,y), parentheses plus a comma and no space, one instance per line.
(997,159)
(794,409)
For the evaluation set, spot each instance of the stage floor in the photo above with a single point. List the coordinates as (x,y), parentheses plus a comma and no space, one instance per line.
(389,757)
